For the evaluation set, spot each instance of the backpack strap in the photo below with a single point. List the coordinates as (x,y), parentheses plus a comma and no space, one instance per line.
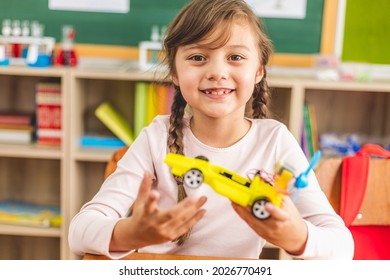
(374,150)
(354,178)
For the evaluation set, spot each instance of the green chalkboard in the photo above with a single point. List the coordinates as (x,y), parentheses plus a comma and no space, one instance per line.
(288,35)
(367,32)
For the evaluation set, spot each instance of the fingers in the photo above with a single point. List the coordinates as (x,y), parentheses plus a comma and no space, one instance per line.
(186,215)
(150,205)
(243,212)
(276,212)
(145,188)
(183,211)
(183,228)
(279,214)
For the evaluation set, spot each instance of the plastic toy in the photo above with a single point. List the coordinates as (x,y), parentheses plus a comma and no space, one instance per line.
(301,181)
(263,188)
(67,55)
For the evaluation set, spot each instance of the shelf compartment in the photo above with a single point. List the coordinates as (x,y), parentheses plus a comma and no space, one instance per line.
(29,248)
(89,94)
(31,180)
(351,112)
(88,177)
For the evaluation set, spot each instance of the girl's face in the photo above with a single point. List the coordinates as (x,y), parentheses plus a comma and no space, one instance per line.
(219,82)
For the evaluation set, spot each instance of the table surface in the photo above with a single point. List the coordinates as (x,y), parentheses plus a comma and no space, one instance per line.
(150,256)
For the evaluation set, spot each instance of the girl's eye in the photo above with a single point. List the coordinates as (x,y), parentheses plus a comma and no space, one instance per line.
(235,57)
(197,58)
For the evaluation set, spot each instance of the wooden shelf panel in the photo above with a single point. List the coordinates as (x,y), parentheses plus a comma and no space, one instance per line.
(33,72)
(94,154)
(110,74)
(29,231)
(30,151)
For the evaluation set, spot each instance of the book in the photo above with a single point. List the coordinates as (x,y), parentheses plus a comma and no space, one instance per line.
(114,121)
(29,214)
(151,103)
(171,94)
(140,99)
(101,141)
(48,113)
(304,144)
(308,131)
(313,126)
(162,100)
(16,118)
(16,134)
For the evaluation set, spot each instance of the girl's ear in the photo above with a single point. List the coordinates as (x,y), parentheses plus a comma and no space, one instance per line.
(175,80)
(259,75)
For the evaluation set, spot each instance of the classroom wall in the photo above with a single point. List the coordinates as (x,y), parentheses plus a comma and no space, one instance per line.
(367,32)
(129,29)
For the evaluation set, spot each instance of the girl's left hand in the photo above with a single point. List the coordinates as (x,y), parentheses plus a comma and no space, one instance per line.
(284,228)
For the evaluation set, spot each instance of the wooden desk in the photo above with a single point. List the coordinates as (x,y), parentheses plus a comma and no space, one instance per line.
(150,256)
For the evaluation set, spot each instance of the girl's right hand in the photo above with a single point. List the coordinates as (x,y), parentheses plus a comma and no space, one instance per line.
(150,225)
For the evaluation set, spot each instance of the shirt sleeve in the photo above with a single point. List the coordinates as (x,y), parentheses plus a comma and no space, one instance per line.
(91,229)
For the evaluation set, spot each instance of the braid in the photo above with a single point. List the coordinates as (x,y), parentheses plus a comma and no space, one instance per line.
(175,145)
(261,98)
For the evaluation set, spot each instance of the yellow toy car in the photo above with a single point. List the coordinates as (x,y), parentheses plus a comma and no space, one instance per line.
(240,190)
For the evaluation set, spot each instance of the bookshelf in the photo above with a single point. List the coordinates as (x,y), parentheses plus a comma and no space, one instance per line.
(31,172)
(70,174)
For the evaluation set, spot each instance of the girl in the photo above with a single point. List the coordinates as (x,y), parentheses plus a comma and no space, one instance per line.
(216,52)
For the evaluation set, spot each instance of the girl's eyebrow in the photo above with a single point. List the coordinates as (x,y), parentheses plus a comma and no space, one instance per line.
(239,47)
(193,46)
(197,46)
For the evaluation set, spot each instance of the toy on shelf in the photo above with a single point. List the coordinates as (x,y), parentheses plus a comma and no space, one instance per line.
(148,50)
(19,46)
(256,192)
(67,55)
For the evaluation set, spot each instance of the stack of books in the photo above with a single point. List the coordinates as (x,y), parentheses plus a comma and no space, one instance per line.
(150,100)
(48,113)
(16,127)
(17,212)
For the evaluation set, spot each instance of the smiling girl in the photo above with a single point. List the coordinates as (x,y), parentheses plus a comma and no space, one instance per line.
(216,52)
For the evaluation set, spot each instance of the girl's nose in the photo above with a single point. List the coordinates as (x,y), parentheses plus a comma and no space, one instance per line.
(217,71)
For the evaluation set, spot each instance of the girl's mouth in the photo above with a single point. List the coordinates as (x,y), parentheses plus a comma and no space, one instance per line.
(217,91)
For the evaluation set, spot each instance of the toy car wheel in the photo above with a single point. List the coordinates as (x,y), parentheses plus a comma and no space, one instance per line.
(193,178)
(258,209)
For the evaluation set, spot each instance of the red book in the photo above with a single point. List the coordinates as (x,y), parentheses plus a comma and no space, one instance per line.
(16,118)
(48,113)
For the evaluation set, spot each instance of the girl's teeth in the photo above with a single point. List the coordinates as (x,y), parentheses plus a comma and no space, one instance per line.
(216,92)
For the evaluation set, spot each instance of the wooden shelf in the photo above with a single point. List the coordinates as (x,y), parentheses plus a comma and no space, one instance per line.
(30,151)
(29,231)
(94,154)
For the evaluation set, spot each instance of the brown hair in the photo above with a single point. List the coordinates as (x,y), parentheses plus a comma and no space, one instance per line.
(193,23)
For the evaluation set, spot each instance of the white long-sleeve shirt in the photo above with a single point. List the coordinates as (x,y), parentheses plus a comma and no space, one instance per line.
(221,232)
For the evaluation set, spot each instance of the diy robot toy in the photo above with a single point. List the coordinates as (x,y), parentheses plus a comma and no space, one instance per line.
(256,193)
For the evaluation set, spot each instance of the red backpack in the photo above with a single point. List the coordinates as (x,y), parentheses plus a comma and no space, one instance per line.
(364,201)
